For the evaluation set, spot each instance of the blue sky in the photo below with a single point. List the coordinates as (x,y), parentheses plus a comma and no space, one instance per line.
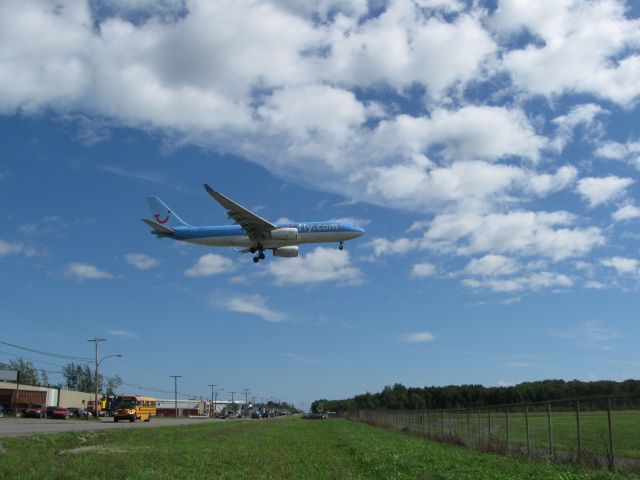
(490,150)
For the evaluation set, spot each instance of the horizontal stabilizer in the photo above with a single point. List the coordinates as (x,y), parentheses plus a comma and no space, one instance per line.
(158,228)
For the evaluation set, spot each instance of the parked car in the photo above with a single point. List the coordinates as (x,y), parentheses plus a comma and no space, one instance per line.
(50,410)
(255,415)
(315,416)
(59,412)
(78,412)
(35,410)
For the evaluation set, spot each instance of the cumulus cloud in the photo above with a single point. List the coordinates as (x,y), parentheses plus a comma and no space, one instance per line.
(252,305)
(601,190)
(534,281)
(141,261)
(85,271)
(422,270)
(419,337)
(320,265)
(622,265)
(541,233)
(209,265)
(627,212)
(492,265)
(576,42)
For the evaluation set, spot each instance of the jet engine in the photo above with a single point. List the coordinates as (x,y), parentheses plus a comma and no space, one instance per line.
(287,252)
(287,234)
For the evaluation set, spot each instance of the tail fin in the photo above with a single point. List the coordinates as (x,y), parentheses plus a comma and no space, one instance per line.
(164,215)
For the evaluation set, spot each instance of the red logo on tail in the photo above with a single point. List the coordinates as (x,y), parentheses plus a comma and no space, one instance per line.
(162,222)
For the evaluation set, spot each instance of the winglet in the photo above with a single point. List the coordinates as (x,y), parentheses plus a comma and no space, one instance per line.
(158,229)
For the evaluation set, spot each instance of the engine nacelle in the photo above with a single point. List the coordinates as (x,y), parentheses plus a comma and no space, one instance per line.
(288,252)
(287,234)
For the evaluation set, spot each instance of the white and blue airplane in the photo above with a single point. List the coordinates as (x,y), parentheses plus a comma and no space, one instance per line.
(253,233)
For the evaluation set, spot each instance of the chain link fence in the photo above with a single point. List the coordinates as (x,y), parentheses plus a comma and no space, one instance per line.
(596,431)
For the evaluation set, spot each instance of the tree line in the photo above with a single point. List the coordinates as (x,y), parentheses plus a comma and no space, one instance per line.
(77,377)
(399,397)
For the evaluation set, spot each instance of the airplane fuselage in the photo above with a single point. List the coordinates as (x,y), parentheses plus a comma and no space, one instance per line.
(235,236)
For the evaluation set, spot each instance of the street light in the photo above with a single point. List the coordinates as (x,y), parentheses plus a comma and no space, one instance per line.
(98,362)
(211,414)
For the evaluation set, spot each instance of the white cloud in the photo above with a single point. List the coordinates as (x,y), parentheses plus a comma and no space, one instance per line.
(419,337)
(252,305)
(626,213)
(526,233)
(576,44)
(629,151)
(622,265)
(320,265)
(544,184)
(601,190)
(123,333)
(210,264)
(383,246)
(84,271)
(535,281)
(492,265)
(141,261)
(591,334)
(10,248)
(579,115)
(422,270)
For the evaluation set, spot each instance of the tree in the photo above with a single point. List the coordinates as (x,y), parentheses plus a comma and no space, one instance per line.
(112,385)
(27,373)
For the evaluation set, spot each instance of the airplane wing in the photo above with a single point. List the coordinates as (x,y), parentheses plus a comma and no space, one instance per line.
(255,226)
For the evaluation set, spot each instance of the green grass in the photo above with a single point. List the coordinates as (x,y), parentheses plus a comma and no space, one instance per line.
(593,430)
(288,448)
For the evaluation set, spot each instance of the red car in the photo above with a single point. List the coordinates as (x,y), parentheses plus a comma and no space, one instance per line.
(58,412)
(35,410)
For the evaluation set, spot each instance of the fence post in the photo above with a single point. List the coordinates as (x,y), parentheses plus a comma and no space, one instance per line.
(468,427)
(611,457)
(526,426)
(506,425)
(578,429)
(549,430)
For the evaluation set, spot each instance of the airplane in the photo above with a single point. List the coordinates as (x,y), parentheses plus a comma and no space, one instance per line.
(251,232)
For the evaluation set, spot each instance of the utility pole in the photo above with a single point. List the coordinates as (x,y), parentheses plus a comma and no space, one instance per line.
(175,392)
(211,412)
(96,340)
(215,402)
(232,398)
(246,405)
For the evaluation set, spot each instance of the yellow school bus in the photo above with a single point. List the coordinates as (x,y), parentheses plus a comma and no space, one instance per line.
(134,407)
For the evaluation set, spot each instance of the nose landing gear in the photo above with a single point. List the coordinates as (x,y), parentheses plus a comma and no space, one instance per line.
(341,246)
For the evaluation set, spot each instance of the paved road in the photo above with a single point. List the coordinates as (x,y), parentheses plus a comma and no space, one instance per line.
(13,427)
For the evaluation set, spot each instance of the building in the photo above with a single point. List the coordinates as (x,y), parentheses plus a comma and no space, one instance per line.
(167,408)
(19,396)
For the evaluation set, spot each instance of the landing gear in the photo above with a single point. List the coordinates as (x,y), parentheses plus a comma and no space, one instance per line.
(260,255)
(341,246)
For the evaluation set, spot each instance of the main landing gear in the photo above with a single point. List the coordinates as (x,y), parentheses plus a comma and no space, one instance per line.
(260,255)
(341,246)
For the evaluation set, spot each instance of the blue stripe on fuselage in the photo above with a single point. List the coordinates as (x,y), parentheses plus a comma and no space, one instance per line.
(184,233)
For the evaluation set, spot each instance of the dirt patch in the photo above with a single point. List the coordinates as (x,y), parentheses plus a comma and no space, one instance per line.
(90,449)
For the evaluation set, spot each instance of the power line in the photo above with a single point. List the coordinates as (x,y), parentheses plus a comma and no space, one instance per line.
(48,354)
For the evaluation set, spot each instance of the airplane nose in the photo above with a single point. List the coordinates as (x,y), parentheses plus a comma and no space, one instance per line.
(359,231)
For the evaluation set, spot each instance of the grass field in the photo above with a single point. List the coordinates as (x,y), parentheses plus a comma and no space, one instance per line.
(271,449)
(473,430)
